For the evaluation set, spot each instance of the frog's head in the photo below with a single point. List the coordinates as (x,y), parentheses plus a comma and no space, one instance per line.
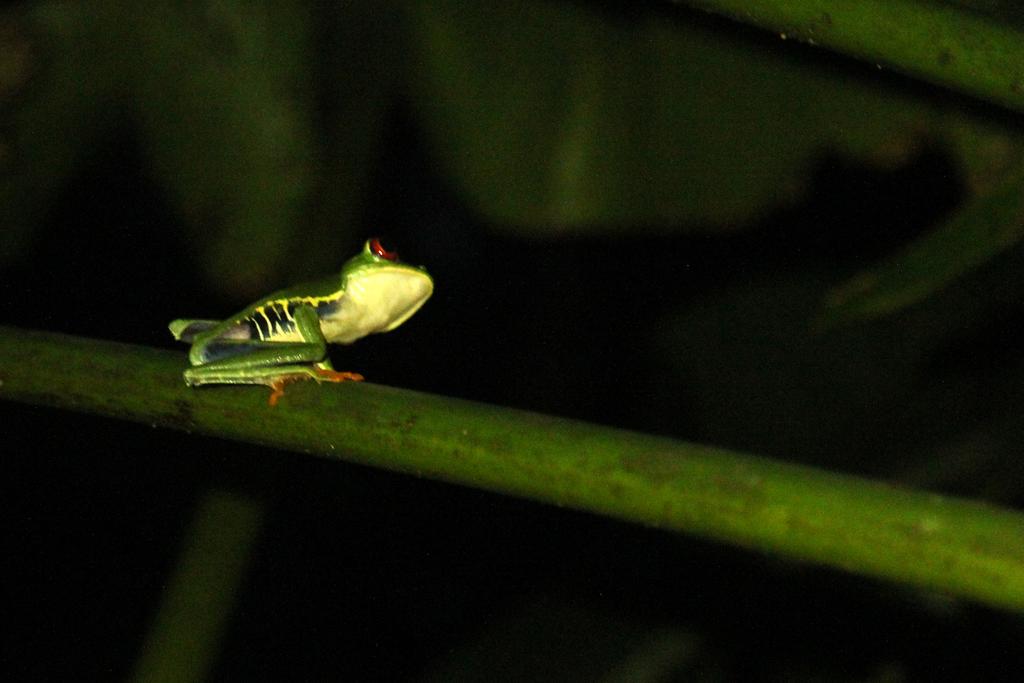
(385,290)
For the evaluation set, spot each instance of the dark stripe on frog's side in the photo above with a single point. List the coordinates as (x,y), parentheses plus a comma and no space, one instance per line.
(286,308)
(281,317)
(274,312)
(326,307)
(272,320)
(254,329)
(259,324)
(278,317)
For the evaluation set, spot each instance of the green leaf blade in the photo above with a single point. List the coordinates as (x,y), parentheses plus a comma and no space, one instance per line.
(987,225)
(975,53)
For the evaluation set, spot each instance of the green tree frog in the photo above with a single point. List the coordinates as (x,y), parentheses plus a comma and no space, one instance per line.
(283,337)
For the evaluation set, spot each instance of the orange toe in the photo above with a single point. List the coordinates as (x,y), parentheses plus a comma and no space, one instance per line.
(277,386)
(335,376)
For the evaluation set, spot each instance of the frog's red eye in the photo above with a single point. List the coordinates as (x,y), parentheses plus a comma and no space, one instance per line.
(378,250)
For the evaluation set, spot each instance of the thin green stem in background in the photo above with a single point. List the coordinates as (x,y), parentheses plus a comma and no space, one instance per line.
(989,224)
(184,640)
(957,546)
(951,46)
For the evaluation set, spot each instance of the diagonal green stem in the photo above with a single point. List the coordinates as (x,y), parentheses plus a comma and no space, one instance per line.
(187,630)
(947,45)
(958,546)
(989,224)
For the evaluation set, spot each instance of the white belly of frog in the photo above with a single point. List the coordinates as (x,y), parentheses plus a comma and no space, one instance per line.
(378,303)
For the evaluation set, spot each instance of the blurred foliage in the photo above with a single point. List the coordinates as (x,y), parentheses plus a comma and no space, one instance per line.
(547,634)
(261,121)
(565,120)
(223,97)
(971,51)
(986,225)
(229,101)
(187,630)
(1001,10)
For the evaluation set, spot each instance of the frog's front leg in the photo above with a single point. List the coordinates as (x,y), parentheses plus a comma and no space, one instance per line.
(268,362)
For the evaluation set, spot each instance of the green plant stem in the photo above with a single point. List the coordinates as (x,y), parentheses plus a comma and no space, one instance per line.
(184,640)
(941,43)
(989,224)
(957,546)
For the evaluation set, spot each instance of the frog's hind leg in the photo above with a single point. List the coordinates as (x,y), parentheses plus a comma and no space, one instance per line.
(256,362)
(186,330)
(267,362)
